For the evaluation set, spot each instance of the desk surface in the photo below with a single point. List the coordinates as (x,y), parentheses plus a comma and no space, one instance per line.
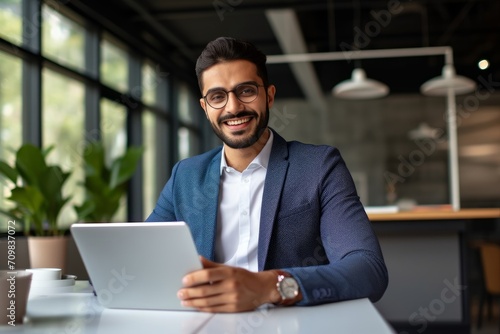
(79,312)
(436,214)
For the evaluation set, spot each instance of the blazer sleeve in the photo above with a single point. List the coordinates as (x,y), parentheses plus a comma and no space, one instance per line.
(164,209)
(355,266)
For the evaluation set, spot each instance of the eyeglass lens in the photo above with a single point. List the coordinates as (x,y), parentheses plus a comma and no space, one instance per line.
(246,93)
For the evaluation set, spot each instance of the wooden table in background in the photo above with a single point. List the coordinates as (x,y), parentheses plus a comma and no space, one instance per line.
(426,256)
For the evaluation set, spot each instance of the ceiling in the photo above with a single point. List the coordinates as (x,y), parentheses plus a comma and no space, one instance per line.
(173,33)
(177,31)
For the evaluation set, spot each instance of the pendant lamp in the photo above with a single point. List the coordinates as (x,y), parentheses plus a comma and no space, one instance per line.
(439,86)
(360,87)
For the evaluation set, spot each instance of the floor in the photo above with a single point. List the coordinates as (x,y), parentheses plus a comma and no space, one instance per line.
(486,329)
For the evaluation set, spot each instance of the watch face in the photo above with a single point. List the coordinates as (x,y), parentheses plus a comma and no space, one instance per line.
(289,288)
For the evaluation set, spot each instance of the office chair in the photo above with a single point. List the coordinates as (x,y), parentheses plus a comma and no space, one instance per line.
(490,262)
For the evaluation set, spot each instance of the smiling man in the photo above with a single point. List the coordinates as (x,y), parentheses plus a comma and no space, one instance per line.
(275,222)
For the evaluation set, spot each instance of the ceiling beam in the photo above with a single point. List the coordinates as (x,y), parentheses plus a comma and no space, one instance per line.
(287,31)
(160,28)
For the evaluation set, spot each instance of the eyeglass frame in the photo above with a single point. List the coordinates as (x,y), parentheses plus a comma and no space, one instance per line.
(251,83)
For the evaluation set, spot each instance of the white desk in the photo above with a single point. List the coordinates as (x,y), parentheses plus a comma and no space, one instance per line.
(79,312)
(354,316)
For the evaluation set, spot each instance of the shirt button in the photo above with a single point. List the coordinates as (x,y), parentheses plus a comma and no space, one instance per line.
(246,180)
(244,213)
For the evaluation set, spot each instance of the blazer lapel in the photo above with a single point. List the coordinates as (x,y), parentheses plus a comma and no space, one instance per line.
(209,221)
(273,186)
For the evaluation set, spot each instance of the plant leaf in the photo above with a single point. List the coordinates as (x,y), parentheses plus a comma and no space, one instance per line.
(10,213)
(28,197)
(124,167)
(85,210)
(30,202)
(51,185)
(30,163)
(8,172)
(94,158)
(46,151)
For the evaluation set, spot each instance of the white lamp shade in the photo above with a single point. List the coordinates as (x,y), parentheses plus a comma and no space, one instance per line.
(360,87)
(439,86)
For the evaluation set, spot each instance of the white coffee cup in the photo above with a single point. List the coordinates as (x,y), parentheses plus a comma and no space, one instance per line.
(45,274)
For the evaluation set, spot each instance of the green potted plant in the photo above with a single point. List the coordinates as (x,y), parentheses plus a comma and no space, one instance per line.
(37,192)
(105,185)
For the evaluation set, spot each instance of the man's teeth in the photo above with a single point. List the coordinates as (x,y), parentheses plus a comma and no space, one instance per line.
(238,121)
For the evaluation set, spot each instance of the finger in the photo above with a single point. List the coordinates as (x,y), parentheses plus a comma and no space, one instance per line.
(200,277)
(209,275)
(201,291)
(210,302)
(209,264)
(205,296)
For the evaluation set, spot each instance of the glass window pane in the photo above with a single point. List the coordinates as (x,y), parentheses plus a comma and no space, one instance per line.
(113,128)
(63,127)
(63,40)
(149,85)
(184,110)
(10,21)
(10,120)
(114,138)
(188,143)
(114,66)
(150,184)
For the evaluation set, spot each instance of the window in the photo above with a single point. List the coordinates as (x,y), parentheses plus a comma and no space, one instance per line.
(10,118)
(63,40)
(114,137)
(10,21)
(188,138)
(188,143)
(10,105)
(150,82)
(114,66)
(56,80)
(186,114)
(151,186)
(63,128)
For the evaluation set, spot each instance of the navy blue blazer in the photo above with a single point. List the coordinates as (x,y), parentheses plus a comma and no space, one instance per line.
(312,222)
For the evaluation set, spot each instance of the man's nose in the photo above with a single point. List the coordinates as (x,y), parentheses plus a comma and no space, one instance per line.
(233,104)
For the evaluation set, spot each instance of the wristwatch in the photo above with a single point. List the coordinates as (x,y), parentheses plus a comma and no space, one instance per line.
(287,286)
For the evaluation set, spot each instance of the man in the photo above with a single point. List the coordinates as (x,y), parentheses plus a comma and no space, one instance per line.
(274,221)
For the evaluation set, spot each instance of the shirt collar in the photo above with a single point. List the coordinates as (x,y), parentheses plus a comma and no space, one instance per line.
(262,159)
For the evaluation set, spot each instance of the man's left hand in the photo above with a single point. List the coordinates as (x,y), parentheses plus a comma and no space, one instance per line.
(221,288)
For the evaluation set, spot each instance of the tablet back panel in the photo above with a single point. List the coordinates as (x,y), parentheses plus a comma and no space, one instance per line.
(137,265)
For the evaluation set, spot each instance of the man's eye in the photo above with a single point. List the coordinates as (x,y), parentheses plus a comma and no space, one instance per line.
(246,91)
(217,96)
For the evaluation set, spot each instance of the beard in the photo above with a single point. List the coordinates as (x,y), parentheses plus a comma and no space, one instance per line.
(241,140)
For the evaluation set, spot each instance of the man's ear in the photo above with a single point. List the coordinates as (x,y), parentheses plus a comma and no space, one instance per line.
(204,106)
(271,91)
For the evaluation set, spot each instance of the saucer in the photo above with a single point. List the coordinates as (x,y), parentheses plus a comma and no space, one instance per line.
(66,280)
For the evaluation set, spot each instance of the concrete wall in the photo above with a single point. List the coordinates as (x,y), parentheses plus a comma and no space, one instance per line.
(373,137)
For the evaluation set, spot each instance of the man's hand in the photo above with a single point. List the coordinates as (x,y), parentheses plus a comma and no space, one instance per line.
(221,288)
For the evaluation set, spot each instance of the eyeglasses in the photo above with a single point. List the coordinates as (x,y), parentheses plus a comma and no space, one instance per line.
(245,92)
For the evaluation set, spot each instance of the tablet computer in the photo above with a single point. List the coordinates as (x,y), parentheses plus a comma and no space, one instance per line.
(137,265)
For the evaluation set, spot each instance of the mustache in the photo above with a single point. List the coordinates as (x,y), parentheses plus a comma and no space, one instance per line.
(241,114)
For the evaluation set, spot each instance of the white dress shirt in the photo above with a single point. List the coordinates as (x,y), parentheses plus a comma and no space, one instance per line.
(238,217)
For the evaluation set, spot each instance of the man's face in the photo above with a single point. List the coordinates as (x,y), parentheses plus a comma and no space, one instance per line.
(237,124)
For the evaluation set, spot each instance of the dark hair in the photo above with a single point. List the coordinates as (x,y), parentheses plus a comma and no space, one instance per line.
(227,48)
